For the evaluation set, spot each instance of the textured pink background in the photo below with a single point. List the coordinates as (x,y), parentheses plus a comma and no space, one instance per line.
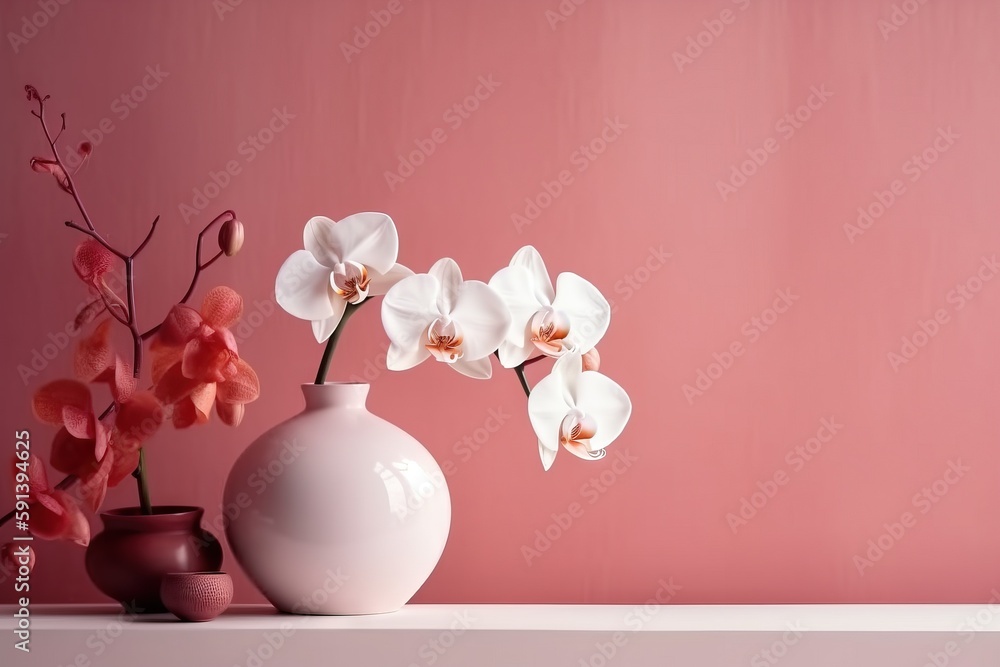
(655,186)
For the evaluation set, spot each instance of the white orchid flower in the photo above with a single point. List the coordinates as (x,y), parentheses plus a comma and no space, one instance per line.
(458,322)
(343,263)
(572,317)
(583,411)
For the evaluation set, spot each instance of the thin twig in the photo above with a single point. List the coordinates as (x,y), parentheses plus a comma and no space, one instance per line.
(149,235)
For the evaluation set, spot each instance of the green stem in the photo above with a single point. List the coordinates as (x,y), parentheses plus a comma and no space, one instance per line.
(524,382)
(331,344)
(143,484)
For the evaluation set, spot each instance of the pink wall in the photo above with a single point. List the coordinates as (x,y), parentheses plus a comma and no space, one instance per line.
(886,98)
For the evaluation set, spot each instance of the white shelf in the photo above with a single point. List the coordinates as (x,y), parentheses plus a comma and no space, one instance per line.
(519,635)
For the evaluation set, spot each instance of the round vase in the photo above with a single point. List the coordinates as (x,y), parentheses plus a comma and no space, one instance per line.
(128,559)
(337,511)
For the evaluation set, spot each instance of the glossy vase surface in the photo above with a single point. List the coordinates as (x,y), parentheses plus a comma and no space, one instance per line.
(337,511)
(128,559)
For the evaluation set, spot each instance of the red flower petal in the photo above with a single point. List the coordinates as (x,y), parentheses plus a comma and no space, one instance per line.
(222,306)
(243,387)
(206,358)
(79,422)
(38,480)
(122,466)
(137,420)
(94,354)
(230,414)
(181,324)
(50,399)
(203,398)
(91,260)
(174,386)
(70,455)
(163,359)
(185,414)
(93,485)
(68,524)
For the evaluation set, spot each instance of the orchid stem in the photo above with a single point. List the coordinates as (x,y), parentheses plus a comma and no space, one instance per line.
(331,344)
(524,381)
(143,484)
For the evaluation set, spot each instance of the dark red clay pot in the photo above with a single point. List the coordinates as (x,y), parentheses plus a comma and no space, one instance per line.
(127,560)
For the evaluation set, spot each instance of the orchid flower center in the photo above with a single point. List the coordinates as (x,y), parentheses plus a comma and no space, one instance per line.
(350,281)
(575,432)
(444,341)
(549,329)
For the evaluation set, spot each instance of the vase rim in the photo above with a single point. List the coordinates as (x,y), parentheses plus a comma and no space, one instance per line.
(199,574)
(158,510)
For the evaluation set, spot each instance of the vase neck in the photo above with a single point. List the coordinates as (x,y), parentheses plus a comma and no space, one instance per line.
(335,395)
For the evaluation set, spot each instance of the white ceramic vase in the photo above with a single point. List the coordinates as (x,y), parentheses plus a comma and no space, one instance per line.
(337,511)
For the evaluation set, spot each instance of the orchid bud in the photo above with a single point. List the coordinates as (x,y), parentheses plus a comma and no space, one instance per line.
(14,555)
(231,237)
(591,360)
(85,148)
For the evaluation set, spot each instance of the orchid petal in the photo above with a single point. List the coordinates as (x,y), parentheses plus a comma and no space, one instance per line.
(91,260)
(230,414)
(71,455)
(547,406)
(181,324)
(93,354)
(137,420)
(203,398)
(222,307)
(477,369)
(483,318)
(528,258)
(243,387)
(407,310)
(125,461)
(38,479)
(606,402)
(588,310)
(513,284)
(93,484)
(366,238)
(185,415)
(79,421)
(381,282)
(449,278)
(302,287)
(324,328)
(174,386)
(547,454)
(50,399)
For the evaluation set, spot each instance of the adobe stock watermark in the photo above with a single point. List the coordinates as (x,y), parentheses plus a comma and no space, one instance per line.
(899,16)
(246,152)
(796,458)
(968,629)
(101,640)
(631,282)
(579,161)
(700,42)
(958,298)
(635,620)
(59,341)
(779,648)
(120,109)
(434,648)
(913,168)
(923,502)
(223,7)
(454,117)
(752,331)
(273,641)
(590,491)
(364,33)
(784,128)
(562,13)
(32,23)
(258,482)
